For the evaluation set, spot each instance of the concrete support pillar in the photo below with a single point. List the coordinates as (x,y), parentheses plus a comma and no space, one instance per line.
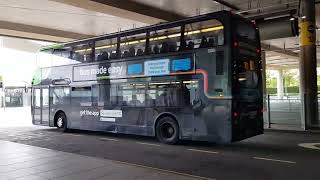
(308,65)
(280,83)
(264,86)
(264,73)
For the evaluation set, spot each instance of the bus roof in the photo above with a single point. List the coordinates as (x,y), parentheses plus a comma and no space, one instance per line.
(136,30)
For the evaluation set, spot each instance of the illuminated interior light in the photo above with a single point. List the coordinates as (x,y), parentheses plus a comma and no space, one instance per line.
(212,29)
(83,50)
(158,38)
(133,42)
(217,28)
(103,47)
(192,32)
(174,35)
(162,37)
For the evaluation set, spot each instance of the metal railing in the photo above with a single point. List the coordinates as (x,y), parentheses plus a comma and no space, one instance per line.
(286,111)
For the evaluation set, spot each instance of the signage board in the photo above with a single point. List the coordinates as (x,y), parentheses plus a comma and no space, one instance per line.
(156,67)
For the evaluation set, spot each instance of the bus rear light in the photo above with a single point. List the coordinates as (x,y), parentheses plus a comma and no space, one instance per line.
(254,23)
(258,50)
(235,114)
(235,44)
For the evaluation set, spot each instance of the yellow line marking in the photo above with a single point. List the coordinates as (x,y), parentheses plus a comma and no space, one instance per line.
(276,160)
(148,144)
(203,151)
(164,170)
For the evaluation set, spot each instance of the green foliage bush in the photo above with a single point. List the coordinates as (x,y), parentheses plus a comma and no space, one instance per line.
(289,90)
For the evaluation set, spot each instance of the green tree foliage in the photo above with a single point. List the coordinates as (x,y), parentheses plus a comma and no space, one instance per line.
(291,78)
(271,82)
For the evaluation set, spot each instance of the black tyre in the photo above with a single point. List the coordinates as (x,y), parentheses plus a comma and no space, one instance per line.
(61,122)
(167,130)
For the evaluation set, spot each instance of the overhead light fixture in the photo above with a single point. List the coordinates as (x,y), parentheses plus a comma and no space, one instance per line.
(292,19)
(303,17)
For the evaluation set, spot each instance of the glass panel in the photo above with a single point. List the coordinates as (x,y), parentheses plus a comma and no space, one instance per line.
(165,94)
(132,94)
(204,34)
(45,97)
(82,95)
(101,94)
(248,68)
(246,30)
(132,46)
(191,95)
(82,53)
(37,97)
(60,95)
(106,49)
(165,41)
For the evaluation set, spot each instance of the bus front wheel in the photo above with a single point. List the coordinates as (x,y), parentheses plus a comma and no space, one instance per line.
(167,130)
(61,122)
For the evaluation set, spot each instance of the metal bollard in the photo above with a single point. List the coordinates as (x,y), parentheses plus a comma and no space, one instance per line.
(269,113)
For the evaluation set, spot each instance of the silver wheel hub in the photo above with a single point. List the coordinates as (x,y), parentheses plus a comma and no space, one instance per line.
(60,122)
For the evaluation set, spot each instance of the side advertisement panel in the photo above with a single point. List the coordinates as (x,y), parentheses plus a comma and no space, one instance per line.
(129,69)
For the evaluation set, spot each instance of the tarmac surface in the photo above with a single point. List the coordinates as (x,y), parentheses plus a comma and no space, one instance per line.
(274,155)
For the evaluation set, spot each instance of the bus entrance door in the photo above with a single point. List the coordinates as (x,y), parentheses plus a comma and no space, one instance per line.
(40,106)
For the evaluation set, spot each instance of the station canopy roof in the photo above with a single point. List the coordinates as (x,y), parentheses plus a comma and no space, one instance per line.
(66,20)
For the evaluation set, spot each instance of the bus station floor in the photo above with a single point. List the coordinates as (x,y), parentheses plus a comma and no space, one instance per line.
(24,162)
(45,153)
(35,152)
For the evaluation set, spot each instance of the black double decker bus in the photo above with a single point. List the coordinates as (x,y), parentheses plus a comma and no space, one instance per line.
(194,79)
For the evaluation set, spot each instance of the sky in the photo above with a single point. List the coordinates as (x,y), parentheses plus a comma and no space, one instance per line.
(17,67)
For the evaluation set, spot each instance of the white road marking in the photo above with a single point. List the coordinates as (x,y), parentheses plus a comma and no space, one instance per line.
(310,145)
(148,144)
(203,151)
(108,139)
(276,160)
(166,171)
(76,135)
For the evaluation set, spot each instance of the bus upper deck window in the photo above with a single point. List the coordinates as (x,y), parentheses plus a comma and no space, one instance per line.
(165,40)
(103,56)
(132,51)
(140,52)
(133,45)
(205,34)
(105,48)
(190,45)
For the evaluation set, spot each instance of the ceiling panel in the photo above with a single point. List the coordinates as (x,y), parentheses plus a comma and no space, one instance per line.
(55,15)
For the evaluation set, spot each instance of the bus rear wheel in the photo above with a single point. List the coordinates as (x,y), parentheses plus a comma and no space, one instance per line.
(61,122)
(167,130)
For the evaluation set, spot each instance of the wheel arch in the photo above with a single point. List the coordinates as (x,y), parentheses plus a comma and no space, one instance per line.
(56,116)
(162,115)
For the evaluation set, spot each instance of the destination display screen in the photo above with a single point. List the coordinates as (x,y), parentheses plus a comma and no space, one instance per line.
(147,68)
(181,65)
(135,69)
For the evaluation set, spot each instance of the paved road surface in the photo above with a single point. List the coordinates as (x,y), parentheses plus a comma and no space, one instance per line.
(274,155)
